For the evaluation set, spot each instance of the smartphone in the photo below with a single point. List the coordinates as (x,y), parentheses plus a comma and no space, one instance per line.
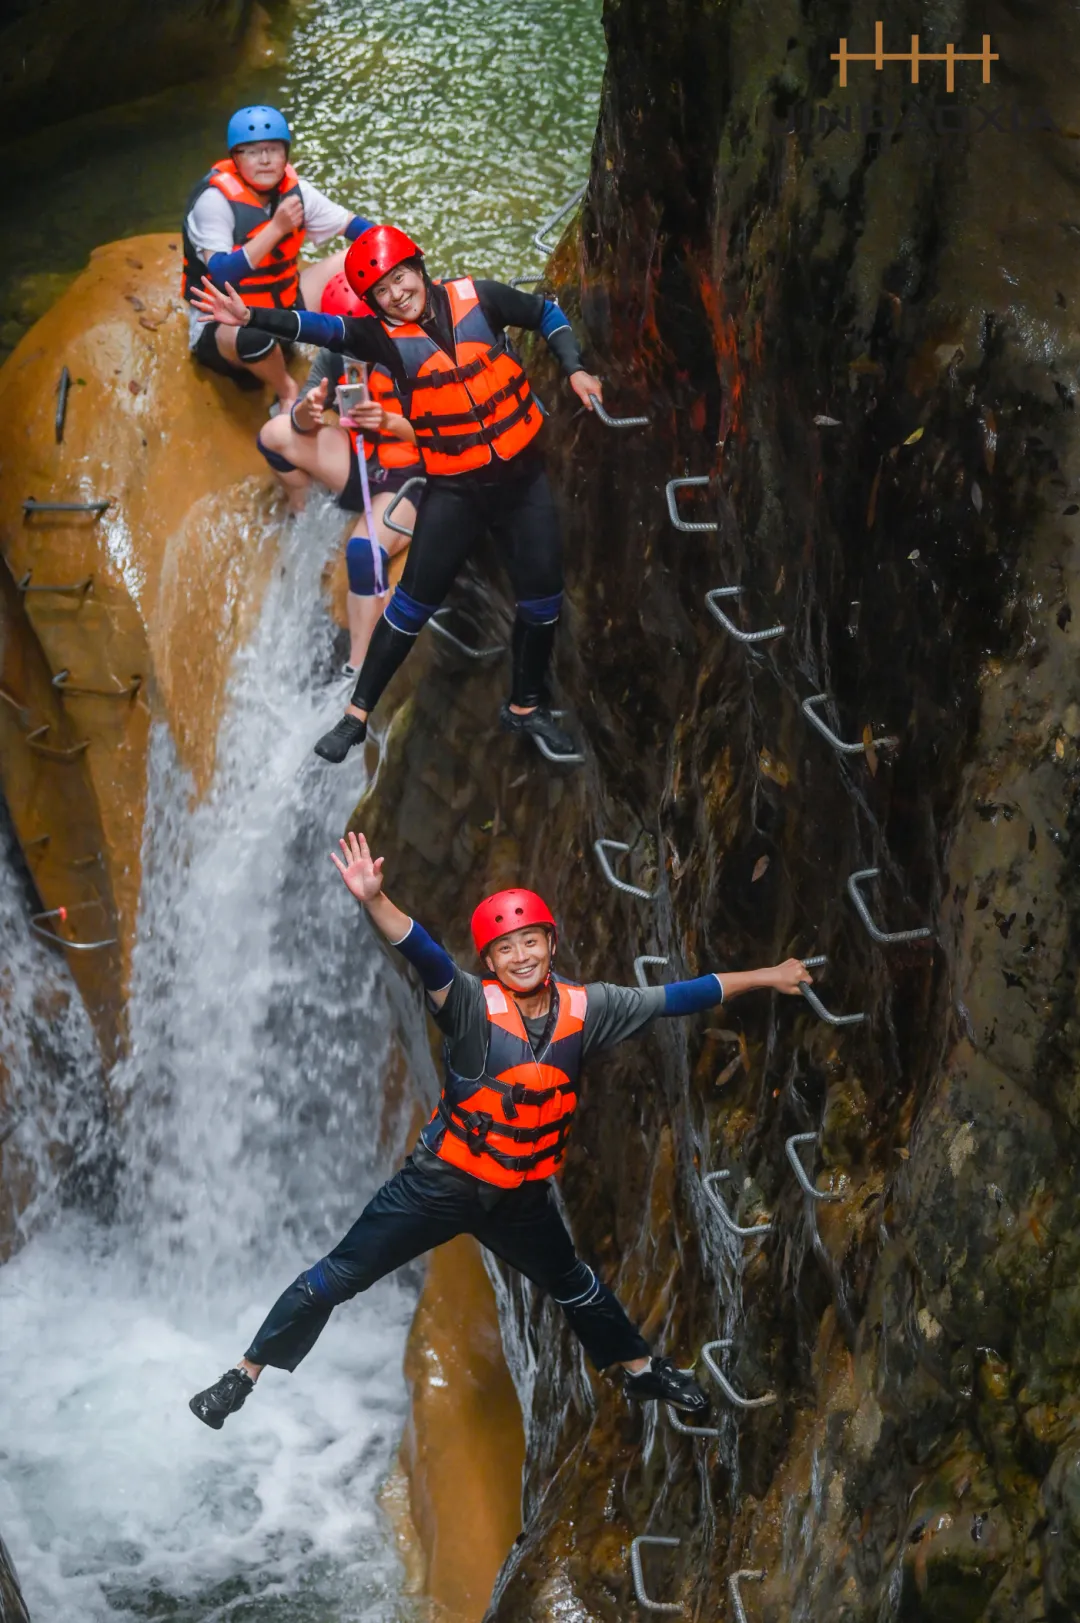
(354,392)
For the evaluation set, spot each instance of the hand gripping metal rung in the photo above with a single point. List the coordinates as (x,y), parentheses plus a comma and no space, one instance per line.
(573,758)
(463,648)
(59,940)
(792,1148)
(679,1424)
(636,1547)
(615,422)
(830,737)
(540,235)
(388,516)
(691,526)
(639,968)
(722,1212)
(78,588)
(30,506)
(602,847)
(744,1574)
(61,683)
(763,1402)
(885,938)
(729,625)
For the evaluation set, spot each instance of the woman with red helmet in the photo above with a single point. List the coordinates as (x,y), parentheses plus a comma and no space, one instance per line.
(476,421)
(302,446)
(515,1039)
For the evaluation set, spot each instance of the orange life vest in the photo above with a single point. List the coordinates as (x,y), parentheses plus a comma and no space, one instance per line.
(467,406)
(510,1125)
(385,449)
(274,283)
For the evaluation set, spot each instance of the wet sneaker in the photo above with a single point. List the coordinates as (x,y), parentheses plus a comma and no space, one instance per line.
(664,1383)
(223,1398)
(538,723)
(336,744)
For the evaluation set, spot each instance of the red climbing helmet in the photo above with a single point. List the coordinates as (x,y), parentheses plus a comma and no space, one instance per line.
(509,910)
(339,299)
(376,251)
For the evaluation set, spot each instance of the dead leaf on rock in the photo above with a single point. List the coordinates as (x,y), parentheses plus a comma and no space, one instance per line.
(732,1067)
(744,1053)
(863,363)
(773,769)
(913,439)
(780,580)
(135,302)
(976,497)
(1059,748)
(821,421)
(871,752)
(150,324)
(136,264)
(134,388)
(760,867)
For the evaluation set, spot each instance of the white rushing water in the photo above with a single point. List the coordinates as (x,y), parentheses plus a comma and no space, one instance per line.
(251,1134)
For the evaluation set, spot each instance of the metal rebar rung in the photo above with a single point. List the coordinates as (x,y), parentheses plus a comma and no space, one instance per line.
(602,847)
(615,422)
(553,219)
(679,1425)
(59,940)
(884,937)
(527,277)
(824,1014)
(62,387)
(78,588)
(830,737)
(691,526)
(20,709)
(50,751)
(388,516)
(722,1212)
(31,506)
(740,1402)
(573,758)
(639,968)
(729,625)
(61,683)
(733,1583)
(636,1546)
(800,1171)
(448,636)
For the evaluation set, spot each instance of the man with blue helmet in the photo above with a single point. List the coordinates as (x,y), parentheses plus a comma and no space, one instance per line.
(245,223)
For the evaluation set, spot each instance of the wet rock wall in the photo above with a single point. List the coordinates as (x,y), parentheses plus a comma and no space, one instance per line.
(866,342)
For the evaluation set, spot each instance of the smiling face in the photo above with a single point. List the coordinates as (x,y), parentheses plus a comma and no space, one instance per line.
(521,959)
(261,163)
(401,293)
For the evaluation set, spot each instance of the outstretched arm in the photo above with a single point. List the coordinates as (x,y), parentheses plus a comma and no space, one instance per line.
(363,876)
(689,997)
(345,335)
(507,306)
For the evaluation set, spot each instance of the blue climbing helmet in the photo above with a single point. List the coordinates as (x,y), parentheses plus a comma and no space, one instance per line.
(257,124)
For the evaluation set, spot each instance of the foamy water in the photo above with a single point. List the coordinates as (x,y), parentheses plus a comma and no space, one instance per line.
(252,1134)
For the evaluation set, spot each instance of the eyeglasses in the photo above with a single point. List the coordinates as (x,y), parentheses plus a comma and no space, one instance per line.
(264,149)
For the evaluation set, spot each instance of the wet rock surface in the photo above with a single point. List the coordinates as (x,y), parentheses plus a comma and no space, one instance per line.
(867,344)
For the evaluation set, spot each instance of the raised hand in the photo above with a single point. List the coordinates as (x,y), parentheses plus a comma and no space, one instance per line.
(226,307)
(790,975)
(583,385)
(308,412)
(289,214)
(363,876)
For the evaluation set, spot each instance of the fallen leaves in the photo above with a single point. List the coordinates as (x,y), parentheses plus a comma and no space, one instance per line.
(775,770)
(761,867)
(976,496)
(821,421)
(914,438)
(870,751)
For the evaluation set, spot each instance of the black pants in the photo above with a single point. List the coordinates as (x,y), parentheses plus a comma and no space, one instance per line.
(454,512)
(417,1210)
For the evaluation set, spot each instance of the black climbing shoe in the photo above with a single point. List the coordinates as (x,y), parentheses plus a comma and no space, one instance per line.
(223,1398)
(539,724)
(665,1383)
(336,744)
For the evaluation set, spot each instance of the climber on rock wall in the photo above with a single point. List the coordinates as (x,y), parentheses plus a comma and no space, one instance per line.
(476,421)
(245,223)
(301,445)
(514,1044)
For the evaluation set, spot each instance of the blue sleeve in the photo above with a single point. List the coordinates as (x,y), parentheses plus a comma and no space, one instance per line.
(690,997)
(432,963)
(553,319)
(228,267)
(356,227)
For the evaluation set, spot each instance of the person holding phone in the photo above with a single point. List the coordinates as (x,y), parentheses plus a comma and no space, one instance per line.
(304,445)
(476,422)
(246,222)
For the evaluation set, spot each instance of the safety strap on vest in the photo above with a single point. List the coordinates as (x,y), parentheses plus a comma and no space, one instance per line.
(429,436)
(473,1127)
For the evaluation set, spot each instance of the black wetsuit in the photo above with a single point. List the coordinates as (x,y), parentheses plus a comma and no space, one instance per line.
(510,498)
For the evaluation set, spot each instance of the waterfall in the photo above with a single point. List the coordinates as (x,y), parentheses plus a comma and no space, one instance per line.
(250,1130)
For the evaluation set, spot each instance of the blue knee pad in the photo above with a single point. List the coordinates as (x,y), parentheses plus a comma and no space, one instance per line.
(406,615)
(326,1286)
(278,462)
(367,564)
(540,611)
